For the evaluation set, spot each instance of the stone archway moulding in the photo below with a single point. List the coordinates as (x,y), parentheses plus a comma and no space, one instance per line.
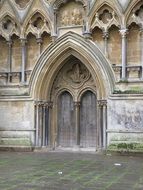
(54,57)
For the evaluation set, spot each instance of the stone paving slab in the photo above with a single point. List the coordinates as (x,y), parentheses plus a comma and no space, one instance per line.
(69,171)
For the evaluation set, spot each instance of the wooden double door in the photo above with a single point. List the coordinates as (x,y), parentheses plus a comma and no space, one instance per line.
(77,121)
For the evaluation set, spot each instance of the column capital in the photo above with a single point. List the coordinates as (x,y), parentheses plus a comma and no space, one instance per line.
(38,103)
(48,104)
(141,30)
(39,40)
(9,42)
(123,32)
(102,103)
(77,104)
(105,34)
(23,41)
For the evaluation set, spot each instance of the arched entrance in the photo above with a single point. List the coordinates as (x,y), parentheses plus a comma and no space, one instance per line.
(71,89)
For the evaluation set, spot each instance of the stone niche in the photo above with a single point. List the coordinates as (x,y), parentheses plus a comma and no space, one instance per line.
(70,17)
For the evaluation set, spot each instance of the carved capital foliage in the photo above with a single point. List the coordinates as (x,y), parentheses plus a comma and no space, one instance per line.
(124,32)
(45,104)
(102,103)
(77,104)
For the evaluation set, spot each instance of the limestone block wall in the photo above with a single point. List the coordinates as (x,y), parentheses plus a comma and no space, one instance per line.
(17,123)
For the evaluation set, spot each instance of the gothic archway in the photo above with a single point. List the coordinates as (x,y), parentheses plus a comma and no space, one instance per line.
(78,71)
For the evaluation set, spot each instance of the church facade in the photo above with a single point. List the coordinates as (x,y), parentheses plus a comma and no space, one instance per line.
(71,75)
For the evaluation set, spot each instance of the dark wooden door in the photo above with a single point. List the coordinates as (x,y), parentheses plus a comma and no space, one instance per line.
(66,124)
(88,120)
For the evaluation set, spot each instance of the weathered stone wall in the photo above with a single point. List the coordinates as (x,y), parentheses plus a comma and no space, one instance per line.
(3,55)
(125,124)
(17,123)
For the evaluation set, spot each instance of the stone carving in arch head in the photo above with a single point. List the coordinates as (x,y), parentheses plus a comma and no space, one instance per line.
(104,18)
(8,27)
(136,15)
(69,13)
(37,25)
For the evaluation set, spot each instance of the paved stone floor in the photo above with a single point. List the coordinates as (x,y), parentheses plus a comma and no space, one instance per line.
(69,171)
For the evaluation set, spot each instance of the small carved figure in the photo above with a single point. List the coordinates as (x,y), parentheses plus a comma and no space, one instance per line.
(65,19)
(76,17)
(76,74)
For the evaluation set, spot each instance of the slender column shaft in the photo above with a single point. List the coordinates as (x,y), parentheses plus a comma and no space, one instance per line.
(105,36)
(23,65)
(9,59)
(124,52)
(37,123)
(99,127)
(44,126)
(77,122)
(104,124)
(39,42)
(54,31)
(141,46)
(47,124)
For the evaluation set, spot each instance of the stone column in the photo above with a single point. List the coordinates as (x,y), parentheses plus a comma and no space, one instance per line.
(23,65)
(123,33)
(9,59)
(39,123)
(141,46)
(46,122)
(87,34)
(77,122)
(99,124)
(102,123)
(104,103)
(105,37)
(54,35)
(36,123)
(44,125)
(39,42)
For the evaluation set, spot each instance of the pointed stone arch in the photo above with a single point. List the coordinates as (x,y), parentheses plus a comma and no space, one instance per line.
(27,20)
(130,8)
(101,4)
(14,23)
(47,70)
(50,63)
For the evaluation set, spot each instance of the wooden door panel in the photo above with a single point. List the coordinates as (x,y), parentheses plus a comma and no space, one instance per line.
(66,126)
(88,123)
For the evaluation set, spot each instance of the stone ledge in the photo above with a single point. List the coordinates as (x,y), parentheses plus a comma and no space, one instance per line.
(16,148)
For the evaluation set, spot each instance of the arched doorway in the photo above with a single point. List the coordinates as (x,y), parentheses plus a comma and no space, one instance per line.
(76,70)
(74,97)
(76,117)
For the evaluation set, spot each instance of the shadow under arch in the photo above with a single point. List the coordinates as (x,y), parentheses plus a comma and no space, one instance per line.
(53,58)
